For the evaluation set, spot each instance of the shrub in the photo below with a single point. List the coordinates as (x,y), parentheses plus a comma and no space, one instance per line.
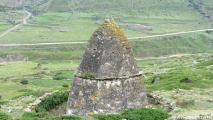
(62,75)
(46,116)
(135,114)
(186,80)
(51,101)
(3,102)
(65,85)
(185,103)
(107,117)
(24,82)
(4,116)
(65,118)
(144,114)
(34,116)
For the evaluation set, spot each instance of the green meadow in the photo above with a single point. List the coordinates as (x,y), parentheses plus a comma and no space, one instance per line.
(172,59)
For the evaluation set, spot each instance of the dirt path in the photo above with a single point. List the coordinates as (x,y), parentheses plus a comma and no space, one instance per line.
(34,44)
(171,34)
(133,38)
(16,26)
(27,17)
(60,43)
(9,30)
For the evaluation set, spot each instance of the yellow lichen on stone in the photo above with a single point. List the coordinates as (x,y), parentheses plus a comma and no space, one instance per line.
(112,29)
(90,113)
(120,34)
(96,93)
(93,98)
(78,104)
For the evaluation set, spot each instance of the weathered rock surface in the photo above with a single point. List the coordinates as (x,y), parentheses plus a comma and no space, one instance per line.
(108,53)
(13,58)
(106,96)
(108,79)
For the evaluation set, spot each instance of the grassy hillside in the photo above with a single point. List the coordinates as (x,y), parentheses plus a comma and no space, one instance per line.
(189,43)
(72,20)
(18,4)
(170,70)
(66,20)
(161,16)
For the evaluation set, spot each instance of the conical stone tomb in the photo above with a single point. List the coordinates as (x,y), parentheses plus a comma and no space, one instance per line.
(108,79)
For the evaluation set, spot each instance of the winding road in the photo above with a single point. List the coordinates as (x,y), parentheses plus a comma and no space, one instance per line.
(16,26)
(60,43)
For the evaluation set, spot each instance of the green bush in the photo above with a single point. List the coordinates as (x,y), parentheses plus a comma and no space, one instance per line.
(135,114)
(107,117)
(3,102)
(61,75)
(4,116)
(46,116)
(34,116)
(65,85)
(51,101)
(65,118)
(24,82)
(144,114)
(186,80)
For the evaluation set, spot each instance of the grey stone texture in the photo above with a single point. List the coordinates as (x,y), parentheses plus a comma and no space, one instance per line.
(106,96)
(107,79)
(108,53)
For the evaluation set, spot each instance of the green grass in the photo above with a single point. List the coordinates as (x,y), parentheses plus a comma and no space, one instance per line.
(3,25)
(57,23)
(77,24)
(51,18)
(162,16)
(17,69)
(172,70)
(45,53)
(188,43)
(48,83)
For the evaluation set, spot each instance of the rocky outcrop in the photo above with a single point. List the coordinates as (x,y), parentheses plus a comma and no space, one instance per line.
(13,58)
(156,99)
(31,106)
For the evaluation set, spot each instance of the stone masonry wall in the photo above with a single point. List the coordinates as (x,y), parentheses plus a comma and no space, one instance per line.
(106,96)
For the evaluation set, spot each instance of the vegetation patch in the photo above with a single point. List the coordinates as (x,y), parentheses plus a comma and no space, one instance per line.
(135,114)
(186,80)
(4,116)
(63,75)
(88,76)
(3,102)
(65,85)
(34,116)
(108,117)
(51,101)
(46,116)
(185,103)
(24,82)
(144,114)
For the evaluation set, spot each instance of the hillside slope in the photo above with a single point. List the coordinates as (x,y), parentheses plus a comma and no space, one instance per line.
(21,3)
(71,20)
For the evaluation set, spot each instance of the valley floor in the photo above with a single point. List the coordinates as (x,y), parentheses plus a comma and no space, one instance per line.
(192,99)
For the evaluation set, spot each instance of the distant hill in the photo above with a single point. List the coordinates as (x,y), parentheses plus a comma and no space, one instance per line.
(21,3)
(76,20)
